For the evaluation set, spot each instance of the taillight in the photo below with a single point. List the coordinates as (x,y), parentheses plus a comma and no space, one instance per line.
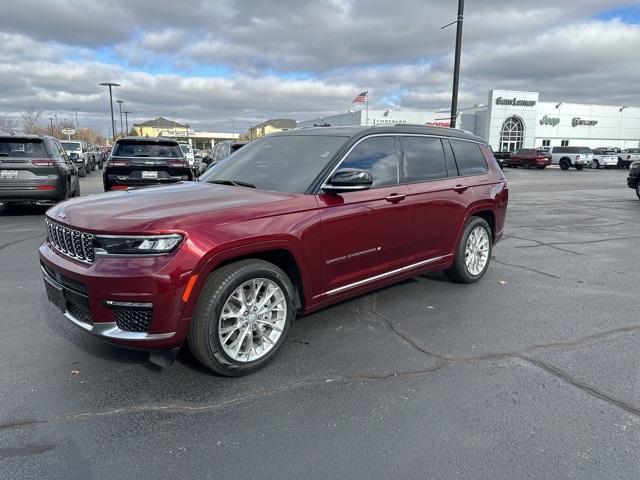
(45,187)
(119,187)
(43,163)
(117,163)
(577,157)
(177,163)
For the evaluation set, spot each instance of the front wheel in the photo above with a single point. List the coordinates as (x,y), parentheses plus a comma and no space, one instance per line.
(638,190)
(82,172)
(242,317)
(473,253)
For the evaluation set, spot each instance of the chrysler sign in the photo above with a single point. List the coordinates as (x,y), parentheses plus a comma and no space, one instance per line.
(515,102)
(577,121)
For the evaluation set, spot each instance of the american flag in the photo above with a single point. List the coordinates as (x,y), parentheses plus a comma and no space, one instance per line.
(361,98)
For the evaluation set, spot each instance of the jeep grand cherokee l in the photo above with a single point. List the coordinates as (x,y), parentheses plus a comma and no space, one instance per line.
(298,220)
(529,158)
(35,168)
(136,162)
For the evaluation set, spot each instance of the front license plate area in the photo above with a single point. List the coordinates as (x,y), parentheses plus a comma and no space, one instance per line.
(149,175)
(8,174)
(55,294)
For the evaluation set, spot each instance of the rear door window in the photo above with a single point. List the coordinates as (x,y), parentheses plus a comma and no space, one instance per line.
(469,158)
(378,156)
(423,159)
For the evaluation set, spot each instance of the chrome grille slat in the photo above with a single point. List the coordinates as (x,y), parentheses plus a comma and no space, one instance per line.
(70,242)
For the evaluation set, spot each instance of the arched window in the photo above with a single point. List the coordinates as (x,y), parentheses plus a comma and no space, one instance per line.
(512,134)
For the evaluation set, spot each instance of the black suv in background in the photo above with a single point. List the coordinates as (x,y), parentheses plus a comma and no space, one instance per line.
(136,162)
(222,150)
(633,180)
(35,168)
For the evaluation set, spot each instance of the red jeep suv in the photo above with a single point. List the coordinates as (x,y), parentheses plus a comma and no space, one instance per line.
(529,158)
(291,223)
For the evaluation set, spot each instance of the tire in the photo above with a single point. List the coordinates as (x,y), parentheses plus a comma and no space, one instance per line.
(638,190)
(459,271)
(595,164)
(542,167)
(526,164)
(221,286)
(77,191)
(579,167)
(565,164)
(82,172)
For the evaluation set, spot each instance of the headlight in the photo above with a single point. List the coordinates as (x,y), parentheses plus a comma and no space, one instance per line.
(136,245)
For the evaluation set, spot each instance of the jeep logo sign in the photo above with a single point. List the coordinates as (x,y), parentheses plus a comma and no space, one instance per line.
(577,121)
(547,120)
(515,102)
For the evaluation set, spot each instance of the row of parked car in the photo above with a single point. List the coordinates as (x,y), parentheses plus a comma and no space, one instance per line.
(568,157)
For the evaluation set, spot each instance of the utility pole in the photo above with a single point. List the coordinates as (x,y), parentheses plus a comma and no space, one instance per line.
(111,84)
(51,123)
(120,102)
(126,120)
(456,64)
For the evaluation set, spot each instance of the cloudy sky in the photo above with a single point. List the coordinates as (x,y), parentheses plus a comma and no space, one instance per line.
(206,62)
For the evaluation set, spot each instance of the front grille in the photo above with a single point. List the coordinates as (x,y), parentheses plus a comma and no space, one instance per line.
(79,314)
(133,319)
(70,242)
(65,281)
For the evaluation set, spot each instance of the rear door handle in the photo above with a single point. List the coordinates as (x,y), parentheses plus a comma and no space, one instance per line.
(395,197)
(460,188)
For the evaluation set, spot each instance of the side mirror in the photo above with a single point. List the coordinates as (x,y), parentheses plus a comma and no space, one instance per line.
(348,180)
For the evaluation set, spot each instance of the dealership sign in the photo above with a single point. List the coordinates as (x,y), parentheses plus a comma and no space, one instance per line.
(577,121)
(547,120)
(515,102)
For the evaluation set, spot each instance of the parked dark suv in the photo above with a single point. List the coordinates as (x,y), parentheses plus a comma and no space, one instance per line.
(297,221)
(137,161)
(35,169)
(633,180)
(222,150)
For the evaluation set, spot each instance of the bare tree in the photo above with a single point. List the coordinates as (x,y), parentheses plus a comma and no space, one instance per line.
(30,120)
(8,124)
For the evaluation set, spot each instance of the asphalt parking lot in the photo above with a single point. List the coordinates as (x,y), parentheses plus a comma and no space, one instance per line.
(530,373)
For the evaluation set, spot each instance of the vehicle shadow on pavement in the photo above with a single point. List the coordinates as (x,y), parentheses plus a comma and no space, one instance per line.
(22,210)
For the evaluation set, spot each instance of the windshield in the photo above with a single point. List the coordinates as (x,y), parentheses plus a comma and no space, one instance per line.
(20,147)
(71,145)
(147,149)
(286,164)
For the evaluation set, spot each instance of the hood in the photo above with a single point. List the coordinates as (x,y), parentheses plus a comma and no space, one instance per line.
(159,208)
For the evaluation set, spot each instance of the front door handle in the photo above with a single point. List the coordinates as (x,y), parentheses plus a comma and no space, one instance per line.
(460,188)
(395,197)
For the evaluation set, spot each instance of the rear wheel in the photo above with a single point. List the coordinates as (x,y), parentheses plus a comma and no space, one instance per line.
(565,164)
(526,164)
(473,253)
(242,317)
(579,167)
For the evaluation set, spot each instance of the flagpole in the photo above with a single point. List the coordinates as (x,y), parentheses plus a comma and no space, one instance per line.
(367,98)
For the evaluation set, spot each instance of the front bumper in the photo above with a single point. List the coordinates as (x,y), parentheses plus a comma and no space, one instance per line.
(86,294)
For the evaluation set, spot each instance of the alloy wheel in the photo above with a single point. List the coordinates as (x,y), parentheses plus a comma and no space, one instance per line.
(252,320)
(476,253)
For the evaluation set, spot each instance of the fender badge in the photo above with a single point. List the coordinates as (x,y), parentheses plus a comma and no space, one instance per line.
(62,215)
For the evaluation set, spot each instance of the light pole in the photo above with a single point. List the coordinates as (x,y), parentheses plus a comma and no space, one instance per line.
(261,127)
(120,102)
(111,84)
(456,64)
(51,123)
(126,120)
(75,109)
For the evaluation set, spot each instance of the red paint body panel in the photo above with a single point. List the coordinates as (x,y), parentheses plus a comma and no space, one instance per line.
(343,245)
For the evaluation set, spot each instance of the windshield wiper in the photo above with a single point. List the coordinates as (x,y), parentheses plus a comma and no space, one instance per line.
(234,183)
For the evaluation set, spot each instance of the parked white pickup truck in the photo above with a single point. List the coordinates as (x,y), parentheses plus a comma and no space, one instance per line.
(567,157)
(604,158)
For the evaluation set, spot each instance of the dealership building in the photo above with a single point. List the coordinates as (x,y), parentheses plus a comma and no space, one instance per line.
(513,119)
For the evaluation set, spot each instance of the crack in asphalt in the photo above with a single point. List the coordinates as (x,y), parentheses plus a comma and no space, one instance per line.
(21,240)
(443,360)
(585,242)
(525,268)
(539,244)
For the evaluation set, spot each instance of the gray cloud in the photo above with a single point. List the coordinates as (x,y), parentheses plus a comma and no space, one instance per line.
(300,59)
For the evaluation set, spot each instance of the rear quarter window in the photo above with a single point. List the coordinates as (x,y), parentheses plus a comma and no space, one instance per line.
(469,158)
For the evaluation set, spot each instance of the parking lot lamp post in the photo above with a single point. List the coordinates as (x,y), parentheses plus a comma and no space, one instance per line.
(51,123)
(120,102)
(126,121)
(456,64)
(75,109)
(110,85)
